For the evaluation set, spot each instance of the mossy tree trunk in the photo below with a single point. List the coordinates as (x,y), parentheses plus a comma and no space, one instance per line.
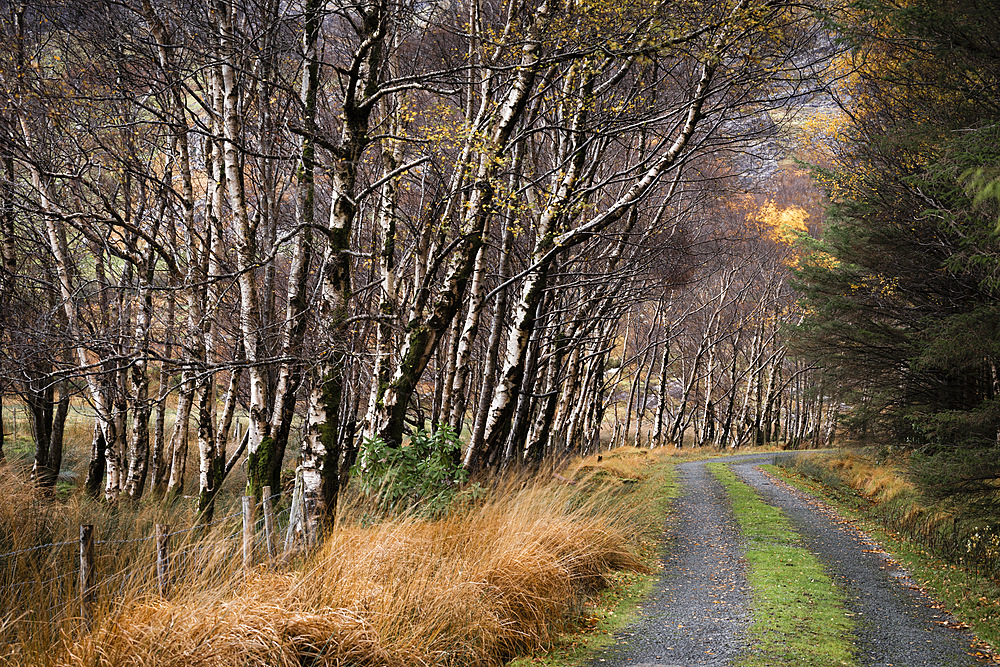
(320,456)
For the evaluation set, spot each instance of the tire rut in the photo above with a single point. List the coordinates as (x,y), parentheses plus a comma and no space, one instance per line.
(698,611)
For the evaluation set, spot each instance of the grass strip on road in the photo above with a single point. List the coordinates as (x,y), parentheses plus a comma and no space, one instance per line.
(799,615)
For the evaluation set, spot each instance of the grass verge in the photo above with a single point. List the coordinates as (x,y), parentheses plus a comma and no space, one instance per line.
(973,599)
(514,574)
(799,615)
(613,609)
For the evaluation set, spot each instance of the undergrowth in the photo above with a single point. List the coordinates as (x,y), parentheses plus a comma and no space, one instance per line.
(882,489)
(497,576)
(645,480)
(425,477)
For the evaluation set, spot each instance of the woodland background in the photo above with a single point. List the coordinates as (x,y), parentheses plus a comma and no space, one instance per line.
(307,231)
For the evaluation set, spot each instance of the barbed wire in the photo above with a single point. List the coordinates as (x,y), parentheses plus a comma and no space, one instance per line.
(36,548)
(196,526)
(131,541)
(37,583)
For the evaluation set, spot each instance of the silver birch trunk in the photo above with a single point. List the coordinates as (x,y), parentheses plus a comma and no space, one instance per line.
(569,394)
(538,436)
(661,392)
(630,406)
(246,246)
(56,237)
(708,425)
(320,455)
(392,157)
(581,407)
(135,480)
(751,374)
(470,329)
(499,313)
(209,476)
(644,395)
(178,448)
(290,372)
(422,338)
(677,430)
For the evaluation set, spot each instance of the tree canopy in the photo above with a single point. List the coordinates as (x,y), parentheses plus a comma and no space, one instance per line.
(322,224)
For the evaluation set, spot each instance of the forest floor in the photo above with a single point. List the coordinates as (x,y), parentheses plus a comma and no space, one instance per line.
(701,610)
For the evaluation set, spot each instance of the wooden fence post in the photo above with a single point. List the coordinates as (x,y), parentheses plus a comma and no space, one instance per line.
(296,516)
(269,537)
(87,575)
(163,559)
(248,511)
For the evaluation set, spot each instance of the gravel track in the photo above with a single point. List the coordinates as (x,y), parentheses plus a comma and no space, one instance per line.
(699,609)
(897,624)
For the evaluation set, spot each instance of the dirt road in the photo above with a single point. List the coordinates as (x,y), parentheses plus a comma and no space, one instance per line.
(701,607)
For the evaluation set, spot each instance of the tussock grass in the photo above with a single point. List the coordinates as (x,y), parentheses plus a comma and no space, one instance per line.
(496,578)
(882,488)
(880,482)
(262,621)
(39,561)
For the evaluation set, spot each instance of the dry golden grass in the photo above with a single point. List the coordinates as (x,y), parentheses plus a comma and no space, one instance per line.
(21,523)
(497,579)
(259,622)
(39,552)
(894,496)
(878,482)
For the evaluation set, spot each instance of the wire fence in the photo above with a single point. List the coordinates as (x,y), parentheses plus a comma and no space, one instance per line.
(63,582)
(972,543)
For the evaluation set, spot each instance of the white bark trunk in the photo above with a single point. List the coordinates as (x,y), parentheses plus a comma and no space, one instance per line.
(422,339)
(246,250)
(87,365)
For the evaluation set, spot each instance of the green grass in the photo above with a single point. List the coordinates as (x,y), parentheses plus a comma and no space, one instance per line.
(972,599)
(799,615)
